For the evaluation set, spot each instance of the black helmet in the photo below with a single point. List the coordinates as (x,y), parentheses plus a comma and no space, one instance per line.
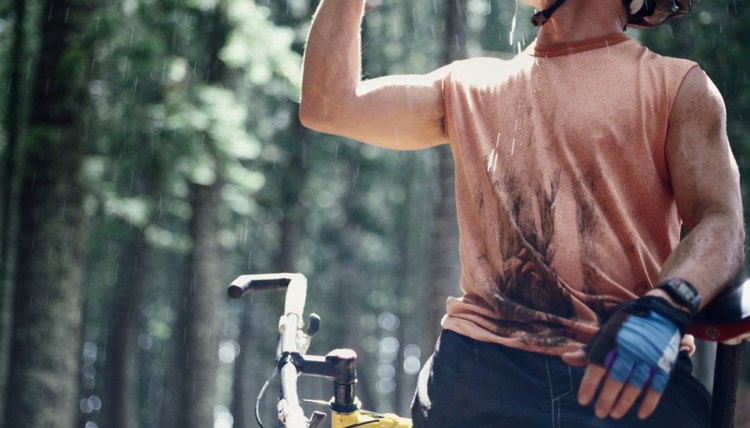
(653,13)
(642,13)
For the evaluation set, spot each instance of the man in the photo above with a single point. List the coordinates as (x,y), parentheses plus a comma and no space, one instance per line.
(577,163)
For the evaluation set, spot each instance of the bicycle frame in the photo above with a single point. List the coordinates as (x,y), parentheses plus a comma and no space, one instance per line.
(338,366)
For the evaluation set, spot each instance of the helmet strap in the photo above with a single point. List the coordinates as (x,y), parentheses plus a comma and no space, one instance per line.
(540,18)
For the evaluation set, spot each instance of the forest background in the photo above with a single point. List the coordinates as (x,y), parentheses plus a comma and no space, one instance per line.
(151,152)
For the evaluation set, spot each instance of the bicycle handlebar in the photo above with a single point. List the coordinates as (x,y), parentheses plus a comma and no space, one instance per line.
(289,409)
(295,285)
(292,340)
(339,365)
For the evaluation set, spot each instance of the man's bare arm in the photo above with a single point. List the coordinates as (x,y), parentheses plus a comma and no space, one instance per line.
(705,180)
(397,112)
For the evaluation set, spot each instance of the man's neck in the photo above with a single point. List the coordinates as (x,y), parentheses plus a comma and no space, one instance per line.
(576,21)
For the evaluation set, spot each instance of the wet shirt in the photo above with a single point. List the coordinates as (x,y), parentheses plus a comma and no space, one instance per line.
(565,206)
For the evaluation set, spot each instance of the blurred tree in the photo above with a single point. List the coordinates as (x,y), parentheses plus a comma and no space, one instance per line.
(136,205)
(203,283)
(122,378)
(200,341)
(129,170)
(47,321)
(261,45)
(13,120)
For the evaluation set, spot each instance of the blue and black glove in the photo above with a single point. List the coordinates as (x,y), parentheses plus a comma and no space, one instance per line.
(639,344)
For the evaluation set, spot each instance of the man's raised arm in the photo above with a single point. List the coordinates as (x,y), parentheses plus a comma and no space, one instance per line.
(396,112)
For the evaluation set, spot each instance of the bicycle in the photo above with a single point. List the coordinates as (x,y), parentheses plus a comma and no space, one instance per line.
(725,321)
(338,365)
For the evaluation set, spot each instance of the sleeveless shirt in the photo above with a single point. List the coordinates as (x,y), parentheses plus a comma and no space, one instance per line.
(564,201)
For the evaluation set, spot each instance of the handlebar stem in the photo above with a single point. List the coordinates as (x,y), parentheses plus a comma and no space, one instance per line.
(340,366)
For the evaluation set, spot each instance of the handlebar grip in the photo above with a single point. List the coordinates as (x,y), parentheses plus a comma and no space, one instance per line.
(294,283)
(264,282)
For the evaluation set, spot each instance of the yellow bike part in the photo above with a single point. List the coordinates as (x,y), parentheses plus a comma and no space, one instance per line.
(369,420)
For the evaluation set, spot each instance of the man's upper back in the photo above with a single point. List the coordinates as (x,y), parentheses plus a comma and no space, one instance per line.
(564,198)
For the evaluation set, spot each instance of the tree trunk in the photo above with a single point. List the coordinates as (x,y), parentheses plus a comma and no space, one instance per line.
(204,290)
(13,125)
(121,406)
(47,322)
(445,262)
(204,279)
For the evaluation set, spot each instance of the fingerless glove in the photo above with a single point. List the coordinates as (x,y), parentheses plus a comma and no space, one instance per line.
(640,342)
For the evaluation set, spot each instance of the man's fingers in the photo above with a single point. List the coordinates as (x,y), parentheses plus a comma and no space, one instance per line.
(576,358)
(688,344)
(615,399)
(625,402)
(649,403)
(590,383)
(607,397)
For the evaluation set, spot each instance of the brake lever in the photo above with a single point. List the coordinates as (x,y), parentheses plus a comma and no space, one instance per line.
(316,419)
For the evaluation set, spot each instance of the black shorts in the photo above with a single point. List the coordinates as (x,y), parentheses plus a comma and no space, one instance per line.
(472,384)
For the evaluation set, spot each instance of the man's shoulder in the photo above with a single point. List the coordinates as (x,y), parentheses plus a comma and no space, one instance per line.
(653,57)
(482,69)
(480,62)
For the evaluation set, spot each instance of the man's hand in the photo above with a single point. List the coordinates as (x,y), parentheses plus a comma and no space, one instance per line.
(633,353)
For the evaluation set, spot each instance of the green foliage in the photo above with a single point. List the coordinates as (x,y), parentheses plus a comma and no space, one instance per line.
(202,114)
(261,48)
(160,125)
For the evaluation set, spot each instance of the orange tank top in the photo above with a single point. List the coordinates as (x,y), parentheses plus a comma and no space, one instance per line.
(565,206)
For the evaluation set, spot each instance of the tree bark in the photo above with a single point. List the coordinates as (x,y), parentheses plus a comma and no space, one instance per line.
(121,406)
(13,124)
(203,291)
(47,322)
(203,281)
